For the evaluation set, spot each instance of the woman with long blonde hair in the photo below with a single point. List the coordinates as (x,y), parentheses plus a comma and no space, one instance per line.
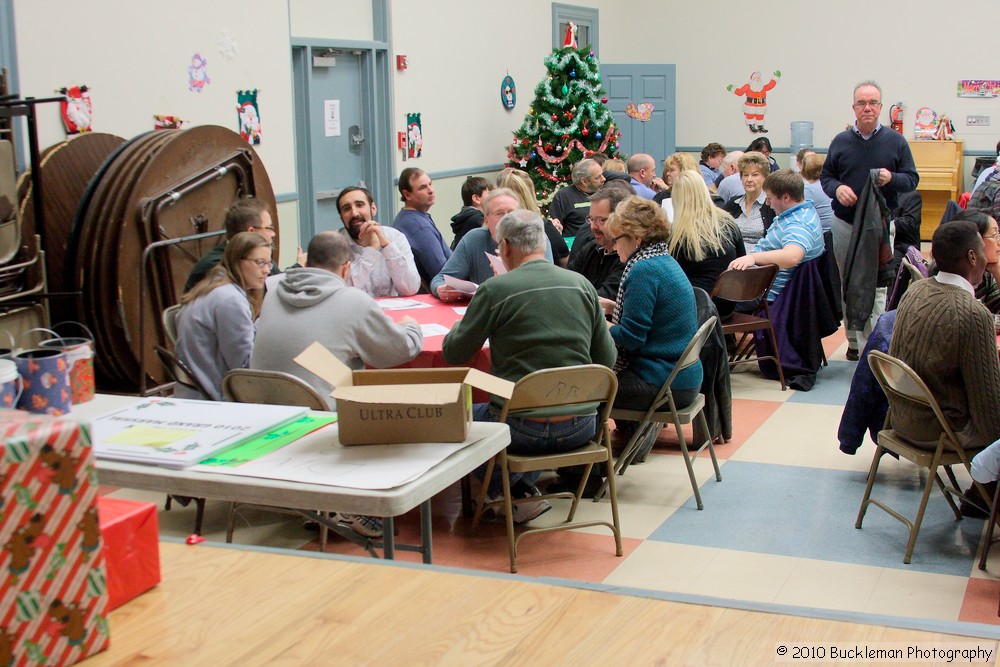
(215,326)
(520,183)
(704,239)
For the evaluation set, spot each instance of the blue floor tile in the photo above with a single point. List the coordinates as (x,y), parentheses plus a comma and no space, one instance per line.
(810,513)
(833,383)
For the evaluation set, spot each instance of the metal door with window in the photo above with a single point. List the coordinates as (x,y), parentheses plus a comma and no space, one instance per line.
(640,85)
(334,155)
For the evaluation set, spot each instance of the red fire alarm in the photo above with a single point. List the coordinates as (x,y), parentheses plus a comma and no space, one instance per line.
(401,63)
(401,140)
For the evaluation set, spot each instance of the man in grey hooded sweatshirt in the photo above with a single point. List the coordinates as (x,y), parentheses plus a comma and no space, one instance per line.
(314,303)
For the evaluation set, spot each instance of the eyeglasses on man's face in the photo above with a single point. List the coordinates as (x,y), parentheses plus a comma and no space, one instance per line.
(861,104)
(597,219)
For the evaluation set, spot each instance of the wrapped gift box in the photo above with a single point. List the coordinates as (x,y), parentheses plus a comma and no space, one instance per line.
(131,548)
(53,595)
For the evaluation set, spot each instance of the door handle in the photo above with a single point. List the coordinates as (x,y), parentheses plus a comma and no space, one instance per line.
(356,135)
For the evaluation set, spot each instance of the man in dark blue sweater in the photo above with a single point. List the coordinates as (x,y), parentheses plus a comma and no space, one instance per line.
(430,252)
(853,154)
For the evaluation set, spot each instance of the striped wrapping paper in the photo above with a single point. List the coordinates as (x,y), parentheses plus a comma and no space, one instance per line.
(53,594)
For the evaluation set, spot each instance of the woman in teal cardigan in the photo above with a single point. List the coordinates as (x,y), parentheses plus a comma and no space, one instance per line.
(654,316)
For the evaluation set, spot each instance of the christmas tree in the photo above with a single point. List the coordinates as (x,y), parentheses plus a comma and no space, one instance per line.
(567,122)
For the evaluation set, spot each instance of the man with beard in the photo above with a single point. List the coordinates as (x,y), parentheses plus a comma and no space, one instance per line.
(381,260)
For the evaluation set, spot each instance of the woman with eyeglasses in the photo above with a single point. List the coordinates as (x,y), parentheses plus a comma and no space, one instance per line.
(654,316)
(750,210)
(215,326)
(988,291)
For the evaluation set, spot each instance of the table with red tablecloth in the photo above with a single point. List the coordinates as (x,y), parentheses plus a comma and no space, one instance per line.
(431,355)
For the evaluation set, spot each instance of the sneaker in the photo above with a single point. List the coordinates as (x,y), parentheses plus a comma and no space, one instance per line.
(531,509)
(365,526)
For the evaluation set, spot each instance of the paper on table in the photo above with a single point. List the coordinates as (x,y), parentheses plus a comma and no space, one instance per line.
(460,309)
(496,263)
(668,207)
(270,441)
(430,330)
(176,433)
(463,286)
(316,460)
(401,304)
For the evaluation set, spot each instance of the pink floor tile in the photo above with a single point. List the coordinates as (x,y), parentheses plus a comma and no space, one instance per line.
(981,600)
(748,416)
(571,555)
(834,341)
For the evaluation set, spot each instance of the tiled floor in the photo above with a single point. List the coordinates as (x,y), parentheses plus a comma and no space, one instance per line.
(778,530)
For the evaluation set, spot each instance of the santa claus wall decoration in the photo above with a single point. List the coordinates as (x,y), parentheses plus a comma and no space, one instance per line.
(76,109)
(249,115)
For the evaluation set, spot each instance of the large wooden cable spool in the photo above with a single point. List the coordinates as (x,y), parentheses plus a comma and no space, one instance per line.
(161,186)
(66,170)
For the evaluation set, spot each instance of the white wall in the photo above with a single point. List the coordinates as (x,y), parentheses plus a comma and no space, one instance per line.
(323,19)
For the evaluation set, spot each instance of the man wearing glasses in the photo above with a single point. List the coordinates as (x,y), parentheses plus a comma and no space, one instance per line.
(593,255)
(853,154)
(245,215)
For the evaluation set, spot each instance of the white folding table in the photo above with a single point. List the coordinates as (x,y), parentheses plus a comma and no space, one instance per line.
(484,440)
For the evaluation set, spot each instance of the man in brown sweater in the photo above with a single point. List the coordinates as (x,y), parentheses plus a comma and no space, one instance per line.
(944,334)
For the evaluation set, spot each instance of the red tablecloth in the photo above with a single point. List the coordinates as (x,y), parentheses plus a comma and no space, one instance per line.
(432,356)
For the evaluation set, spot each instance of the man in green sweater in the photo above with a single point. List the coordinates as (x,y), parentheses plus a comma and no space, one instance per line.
(535,316)
(947,336)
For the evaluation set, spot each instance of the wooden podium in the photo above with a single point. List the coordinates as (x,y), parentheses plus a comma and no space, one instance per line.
(939,164)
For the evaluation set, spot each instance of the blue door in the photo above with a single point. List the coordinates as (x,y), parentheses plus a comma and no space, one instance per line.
(643,85)
(332,149)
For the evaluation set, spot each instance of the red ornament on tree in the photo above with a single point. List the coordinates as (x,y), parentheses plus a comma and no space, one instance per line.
(604,100)
(584,131)
(555,117)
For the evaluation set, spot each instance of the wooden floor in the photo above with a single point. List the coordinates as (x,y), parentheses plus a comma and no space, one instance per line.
(224,606)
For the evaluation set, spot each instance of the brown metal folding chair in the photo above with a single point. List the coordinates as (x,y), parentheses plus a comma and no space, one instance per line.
(245,385)
(901,383)
(749,285)
(663,411)
(579,386)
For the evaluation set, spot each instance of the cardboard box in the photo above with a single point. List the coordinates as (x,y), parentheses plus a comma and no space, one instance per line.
(53,598)
(131,548)
(401,405)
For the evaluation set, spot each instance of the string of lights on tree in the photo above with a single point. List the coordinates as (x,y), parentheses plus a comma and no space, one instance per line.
(567,121)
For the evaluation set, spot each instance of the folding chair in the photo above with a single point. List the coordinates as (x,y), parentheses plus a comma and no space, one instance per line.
(749,285)
(244,385)
(179,372)
(573,386)
(169,319)
(664,410)
(915,273)
(901,383)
